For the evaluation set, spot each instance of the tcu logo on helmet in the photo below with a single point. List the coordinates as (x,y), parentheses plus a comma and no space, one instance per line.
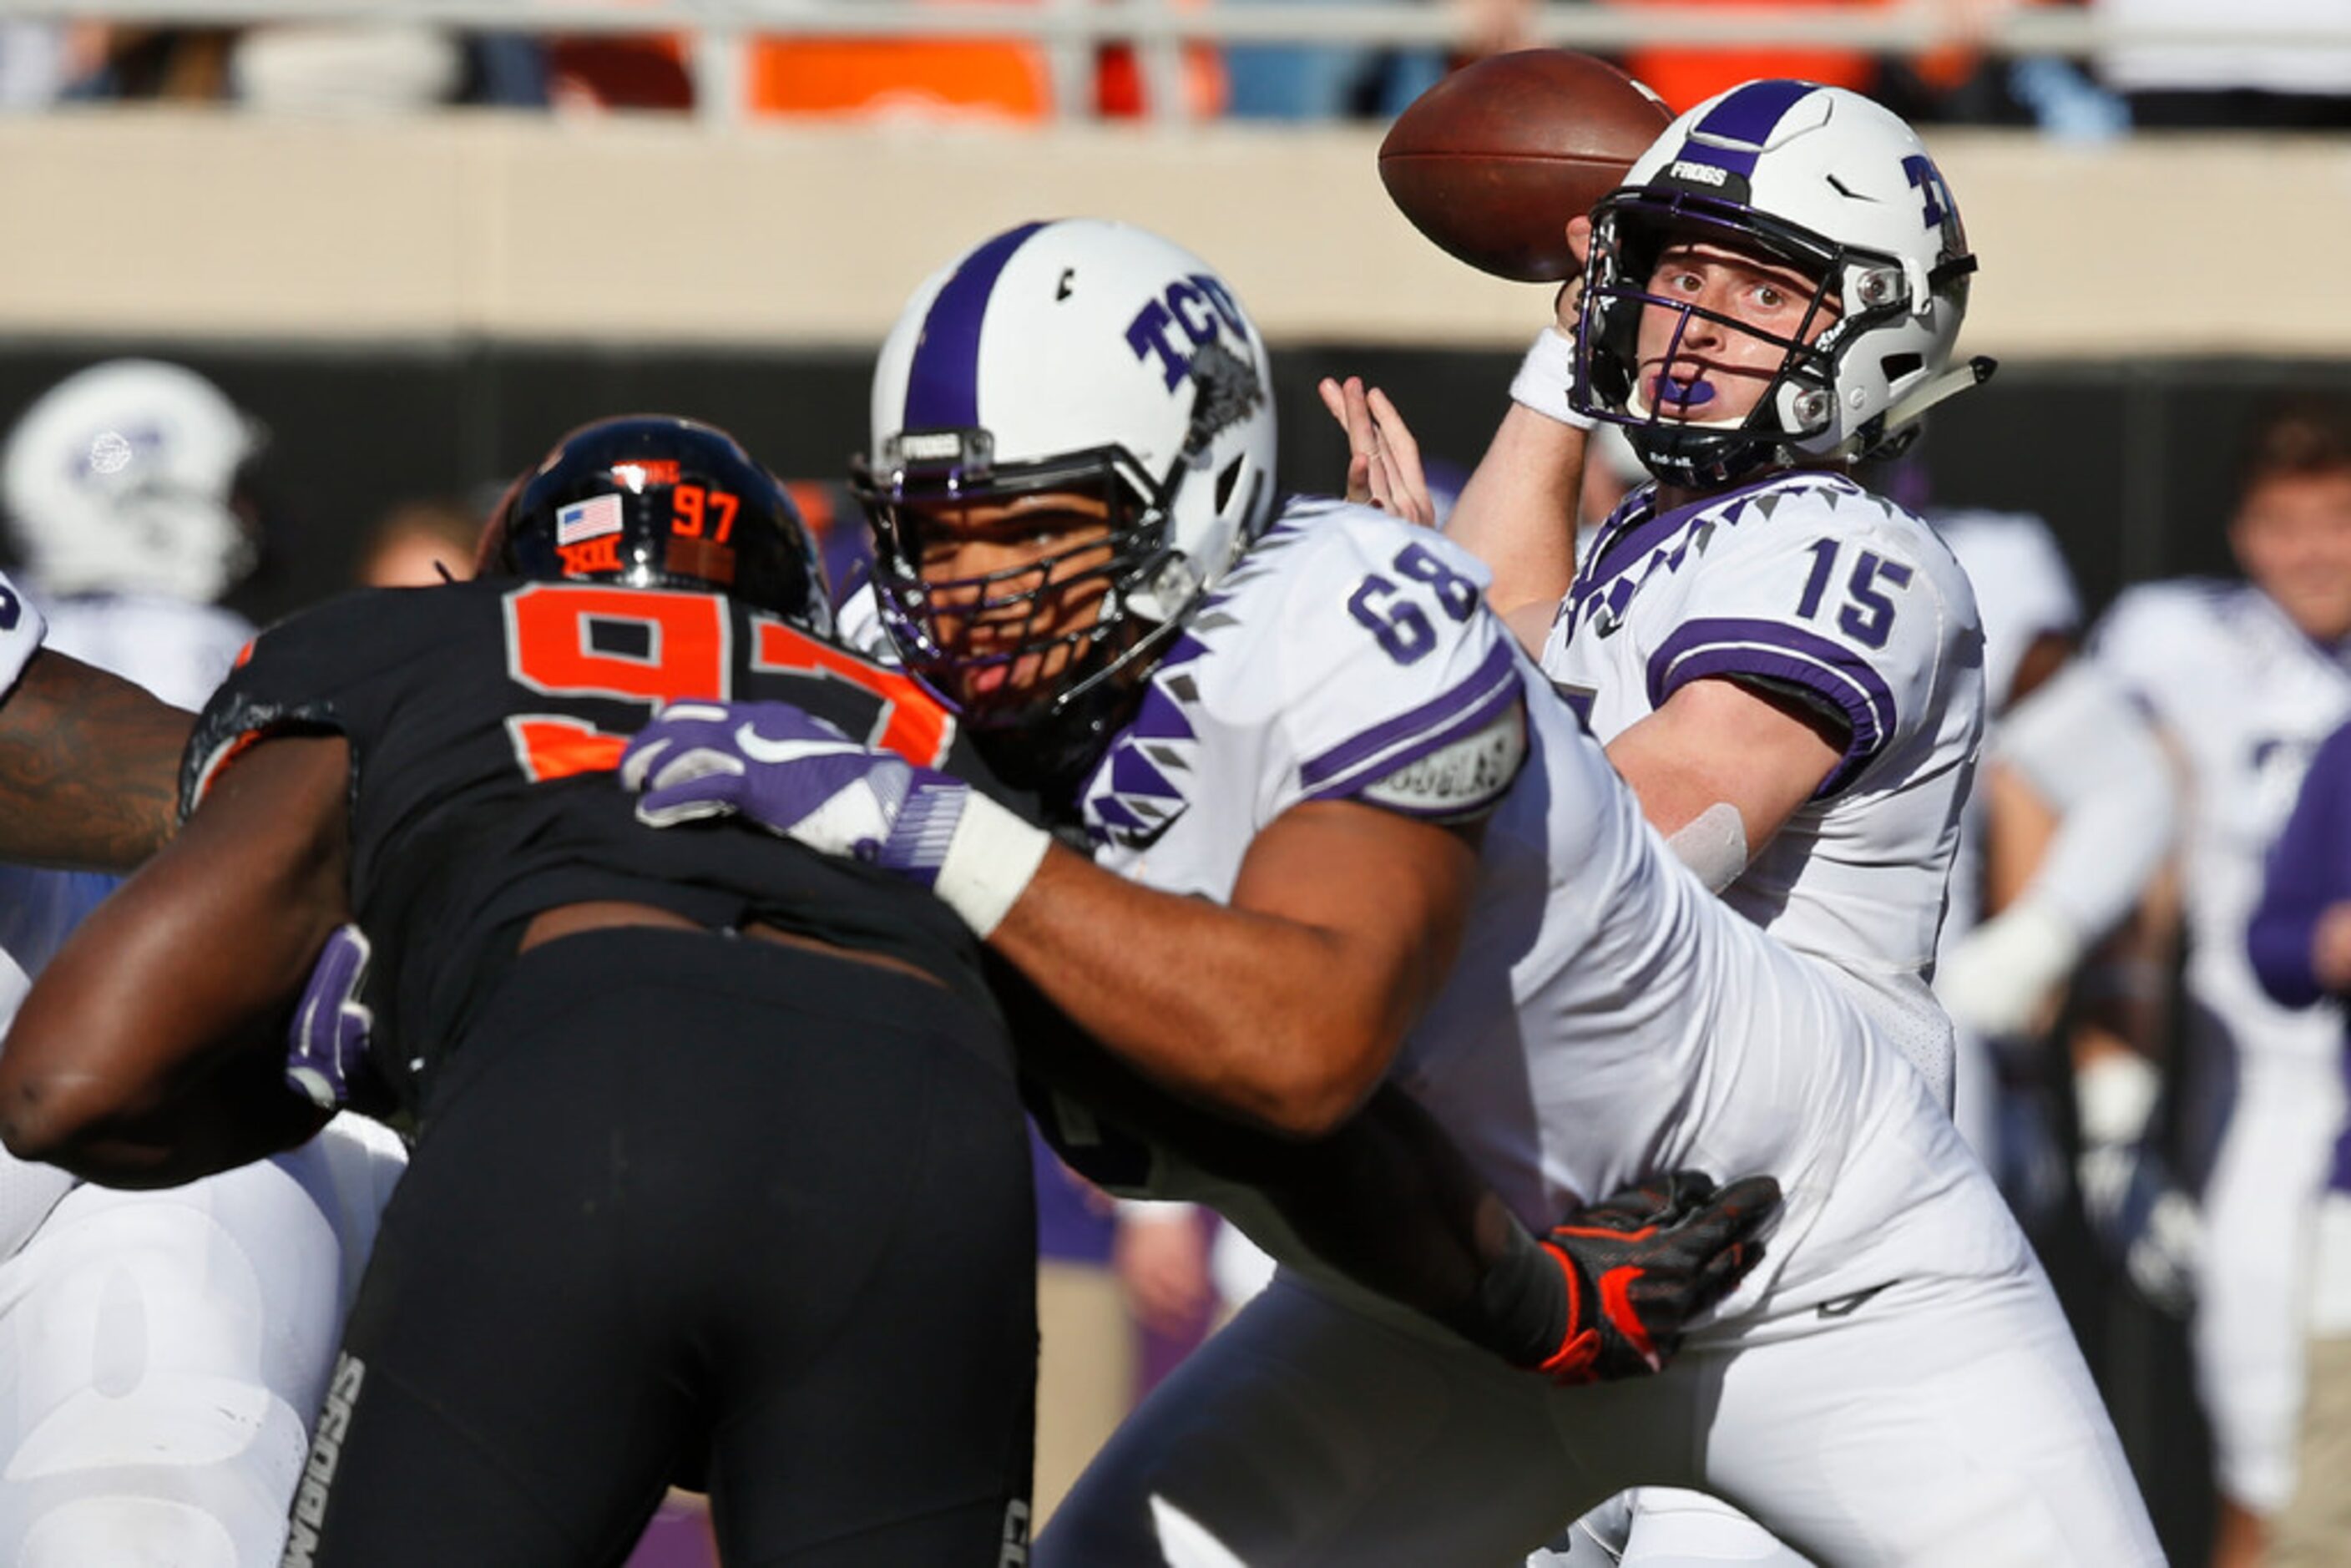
(1942,212)
(1190,308)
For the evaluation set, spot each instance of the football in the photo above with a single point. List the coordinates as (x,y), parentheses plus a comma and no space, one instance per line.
(1493,162)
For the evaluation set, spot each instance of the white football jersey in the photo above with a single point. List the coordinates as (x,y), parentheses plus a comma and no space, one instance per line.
(2248,698)
(1608,1019)
(1807,583)
(178,650)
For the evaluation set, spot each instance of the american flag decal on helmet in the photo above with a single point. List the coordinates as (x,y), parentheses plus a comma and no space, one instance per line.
(588,519)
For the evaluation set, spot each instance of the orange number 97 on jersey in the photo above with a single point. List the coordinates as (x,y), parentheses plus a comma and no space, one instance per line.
(654,646)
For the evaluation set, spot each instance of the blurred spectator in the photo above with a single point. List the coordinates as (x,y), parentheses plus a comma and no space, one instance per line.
(1686,77)
(419,543)
(1126,88)
(1333,81)
(919,78)
(2248,678)
(344,67)
(618,72)
(504,70)
(2284,86)
(2300,940)
(334,67)
(37,64)
(124,61)
(944,77)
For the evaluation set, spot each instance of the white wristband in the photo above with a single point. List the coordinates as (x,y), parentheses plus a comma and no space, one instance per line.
(988,863)
(1544,376)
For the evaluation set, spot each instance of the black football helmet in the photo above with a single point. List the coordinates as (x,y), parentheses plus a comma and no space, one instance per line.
(656,501)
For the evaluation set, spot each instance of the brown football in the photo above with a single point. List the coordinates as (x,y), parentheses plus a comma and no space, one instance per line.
(1493,162)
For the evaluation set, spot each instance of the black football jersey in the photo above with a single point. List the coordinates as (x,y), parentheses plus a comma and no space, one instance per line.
(484,721)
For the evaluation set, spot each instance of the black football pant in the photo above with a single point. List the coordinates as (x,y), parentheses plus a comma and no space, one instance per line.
(690,1205)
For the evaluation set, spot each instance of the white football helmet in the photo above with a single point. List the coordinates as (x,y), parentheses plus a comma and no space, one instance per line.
(1084,356)
(122,479)
(1822,181)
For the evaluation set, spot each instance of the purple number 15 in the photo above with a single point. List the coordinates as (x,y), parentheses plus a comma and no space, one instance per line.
(1868,616)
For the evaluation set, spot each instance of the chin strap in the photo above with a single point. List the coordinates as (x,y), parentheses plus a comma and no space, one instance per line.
(1908,411)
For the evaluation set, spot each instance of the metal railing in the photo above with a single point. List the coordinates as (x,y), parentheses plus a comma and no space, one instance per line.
(1071,29)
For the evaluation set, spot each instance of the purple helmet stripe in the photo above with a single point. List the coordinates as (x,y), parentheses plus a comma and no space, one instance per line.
(1748,116)
(942,382)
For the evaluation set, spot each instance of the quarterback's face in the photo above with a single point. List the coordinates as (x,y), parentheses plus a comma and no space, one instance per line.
(1706,373)
(1010,583)
(2293,535)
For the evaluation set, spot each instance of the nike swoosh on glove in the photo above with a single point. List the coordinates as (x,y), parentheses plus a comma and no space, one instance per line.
(327,1044)
(801,778)
(1644,1262)
(796,775)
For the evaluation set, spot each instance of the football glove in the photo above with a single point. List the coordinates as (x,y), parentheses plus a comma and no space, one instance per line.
(797,776)
(327,1044)
(1641,1264)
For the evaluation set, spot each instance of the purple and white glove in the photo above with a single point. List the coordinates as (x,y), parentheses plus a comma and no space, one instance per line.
(329,1037)
(799,777)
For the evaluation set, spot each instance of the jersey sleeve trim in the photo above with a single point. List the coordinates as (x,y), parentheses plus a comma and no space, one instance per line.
(214,746)
(1785,655)
(1390,747)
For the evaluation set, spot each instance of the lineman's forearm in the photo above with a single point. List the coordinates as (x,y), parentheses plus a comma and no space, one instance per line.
(1390,1200)
(1252,1014)
(1385,1199)
(89,768)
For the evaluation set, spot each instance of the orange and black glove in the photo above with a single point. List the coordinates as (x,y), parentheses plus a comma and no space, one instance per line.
(1637,1266)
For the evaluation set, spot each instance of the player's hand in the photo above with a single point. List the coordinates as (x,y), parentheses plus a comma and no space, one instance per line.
(328,1042)
(1383,459)
(1644,1262)
(797,776)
